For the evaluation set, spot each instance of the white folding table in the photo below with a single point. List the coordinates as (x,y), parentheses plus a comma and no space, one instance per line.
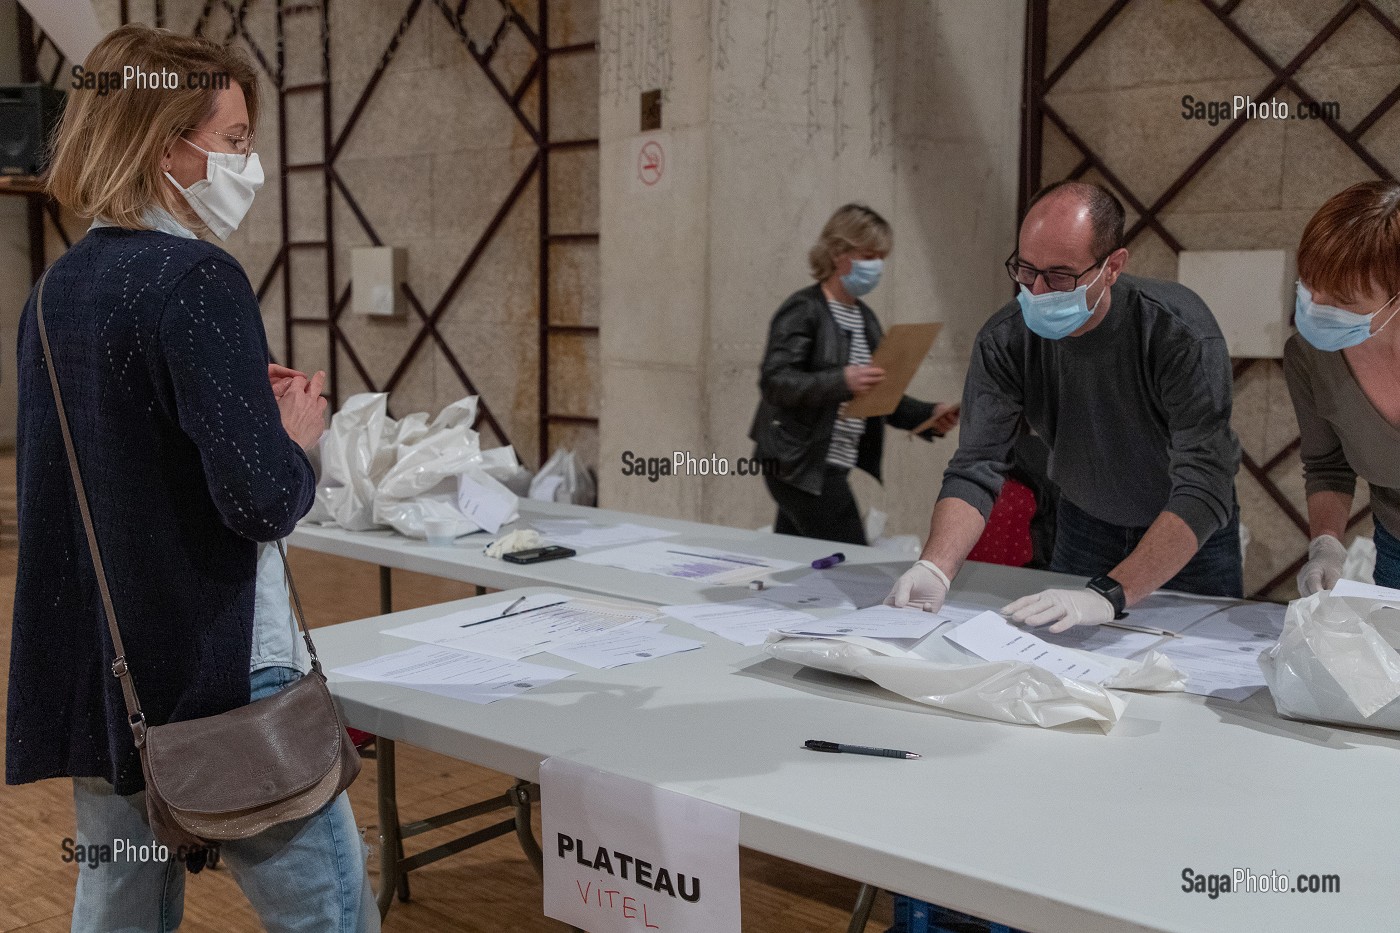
(1049,830)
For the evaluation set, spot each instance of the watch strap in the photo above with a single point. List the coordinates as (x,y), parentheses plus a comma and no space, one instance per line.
(1111,590)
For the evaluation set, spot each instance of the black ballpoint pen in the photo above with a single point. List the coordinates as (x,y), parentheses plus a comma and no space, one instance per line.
(817,745)
(507,615)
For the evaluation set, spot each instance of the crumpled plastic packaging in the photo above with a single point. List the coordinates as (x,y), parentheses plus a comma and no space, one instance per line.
(908,545)
(940,675)
(563,478)
(377,471)
(1360,562)
(1337,661)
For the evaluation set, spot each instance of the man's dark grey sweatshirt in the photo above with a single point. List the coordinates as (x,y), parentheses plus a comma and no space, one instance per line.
(1136,412)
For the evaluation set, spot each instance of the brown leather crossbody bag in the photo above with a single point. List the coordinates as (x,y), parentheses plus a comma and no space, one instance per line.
(232,775)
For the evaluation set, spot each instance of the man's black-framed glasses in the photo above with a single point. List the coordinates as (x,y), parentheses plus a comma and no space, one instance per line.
(1023,273)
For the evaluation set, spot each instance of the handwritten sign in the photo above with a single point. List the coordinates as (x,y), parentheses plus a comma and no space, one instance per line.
(620,855)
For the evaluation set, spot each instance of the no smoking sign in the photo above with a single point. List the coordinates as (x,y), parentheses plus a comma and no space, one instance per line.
(651,163)
(650,168)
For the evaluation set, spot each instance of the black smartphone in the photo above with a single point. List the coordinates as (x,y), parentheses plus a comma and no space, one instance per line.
(537,554)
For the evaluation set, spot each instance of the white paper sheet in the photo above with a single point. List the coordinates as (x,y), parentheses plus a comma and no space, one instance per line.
(992,638)
(627,645)
(450,625)
(746,621)
(1173,613)
(687,562)
(958,612)
(534,625)
(490,504)
(1104,639)
(839,587)
(580,534)
(873,622)
(1164,611)
(462,675)
(1366,591)
(1220,655)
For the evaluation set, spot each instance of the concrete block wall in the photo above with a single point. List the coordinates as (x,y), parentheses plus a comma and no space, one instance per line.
(433,153)
(775,114)
(1123,98)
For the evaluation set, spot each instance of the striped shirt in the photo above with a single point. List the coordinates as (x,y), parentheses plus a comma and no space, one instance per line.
(846,433)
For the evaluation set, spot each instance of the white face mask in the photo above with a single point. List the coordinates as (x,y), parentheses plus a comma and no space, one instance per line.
(222,198)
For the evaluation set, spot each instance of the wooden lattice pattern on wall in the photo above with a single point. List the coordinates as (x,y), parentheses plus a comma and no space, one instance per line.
(482,27)
(1042,77)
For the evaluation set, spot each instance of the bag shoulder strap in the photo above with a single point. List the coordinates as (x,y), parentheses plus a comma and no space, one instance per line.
(297,612)
(136,719)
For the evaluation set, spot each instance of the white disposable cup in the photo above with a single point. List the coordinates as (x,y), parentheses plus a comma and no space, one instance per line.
(440,531)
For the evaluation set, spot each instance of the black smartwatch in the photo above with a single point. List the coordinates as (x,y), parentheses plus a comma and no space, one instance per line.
(1111,590)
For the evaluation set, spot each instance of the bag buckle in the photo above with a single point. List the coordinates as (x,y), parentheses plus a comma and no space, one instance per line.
(137,722)
(119,668)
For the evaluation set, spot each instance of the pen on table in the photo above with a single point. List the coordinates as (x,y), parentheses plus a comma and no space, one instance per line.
(817,745)
(1144,629)
(507,615)
(821,563)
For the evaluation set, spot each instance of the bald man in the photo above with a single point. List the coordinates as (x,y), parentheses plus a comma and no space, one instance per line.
(1128,381)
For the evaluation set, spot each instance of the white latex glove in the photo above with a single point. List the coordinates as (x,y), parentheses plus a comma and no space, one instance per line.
(1326,555)
(1066,608)
(923,586)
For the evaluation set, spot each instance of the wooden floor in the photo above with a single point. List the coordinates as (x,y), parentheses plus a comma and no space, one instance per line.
(490,888)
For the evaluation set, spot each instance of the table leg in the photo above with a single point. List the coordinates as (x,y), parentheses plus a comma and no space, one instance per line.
(386,592)
(520,793)
(390,843)
(403,877)
(865,902)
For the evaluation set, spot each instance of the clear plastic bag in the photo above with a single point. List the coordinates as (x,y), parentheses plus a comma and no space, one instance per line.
(1337,661)
(564,479)
(938,674)
(378,471)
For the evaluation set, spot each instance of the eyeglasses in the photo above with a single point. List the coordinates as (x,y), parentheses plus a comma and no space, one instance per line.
(242,145)
(1025,274)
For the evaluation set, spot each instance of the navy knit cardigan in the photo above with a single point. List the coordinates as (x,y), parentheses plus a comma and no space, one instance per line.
(162,358)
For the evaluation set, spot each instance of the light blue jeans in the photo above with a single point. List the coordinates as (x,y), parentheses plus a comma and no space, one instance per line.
(307,875)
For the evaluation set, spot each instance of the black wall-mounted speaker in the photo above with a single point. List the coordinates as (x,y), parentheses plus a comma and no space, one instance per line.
(28,113)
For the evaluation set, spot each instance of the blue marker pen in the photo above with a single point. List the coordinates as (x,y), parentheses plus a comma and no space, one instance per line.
(822,563)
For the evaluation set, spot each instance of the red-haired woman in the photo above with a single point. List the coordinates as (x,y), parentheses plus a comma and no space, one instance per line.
(1343,371)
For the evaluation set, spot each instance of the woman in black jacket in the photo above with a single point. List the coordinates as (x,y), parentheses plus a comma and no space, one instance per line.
(817,359)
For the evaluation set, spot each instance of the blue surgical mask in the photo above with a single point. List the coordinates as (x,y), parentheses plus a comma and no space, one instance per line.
(863,277)
(1058,314)
(1328,327)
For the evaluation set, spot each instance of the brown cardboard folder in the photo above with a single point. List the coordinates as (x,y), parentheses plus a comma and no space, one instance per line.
(902,349)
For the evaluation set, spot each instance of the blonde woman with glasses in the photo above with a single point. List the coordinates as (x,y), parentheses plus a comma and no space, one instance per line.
(193,451)
(818,358)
